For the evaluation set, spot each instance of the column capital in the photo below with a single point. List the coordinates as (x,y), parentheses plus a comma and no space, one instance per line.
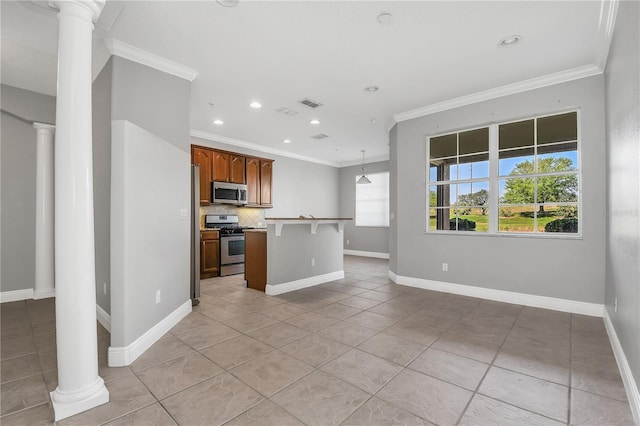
(93,6)
(43,126)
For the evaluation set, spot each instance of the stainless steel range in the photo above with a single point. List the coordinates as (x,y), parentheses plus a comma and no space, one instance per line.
(231,242)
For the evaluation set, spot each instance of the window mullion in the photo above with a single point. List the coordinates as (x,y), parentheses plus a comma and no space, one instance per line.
(493,179)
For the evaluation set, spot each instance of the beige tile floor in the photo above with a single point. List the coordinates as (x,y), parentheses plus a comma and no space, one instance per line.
(358,351)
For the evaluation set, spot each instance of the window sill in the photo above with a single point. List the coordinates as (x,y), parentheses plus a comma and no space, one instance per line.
(505,235)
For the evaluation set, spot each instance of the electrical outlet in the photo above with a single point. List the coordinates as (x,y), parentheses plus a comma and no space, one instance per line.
(184,214)
(347,242)
(158,297)
(104,287)
(445,267)
(615,304)
(313,261)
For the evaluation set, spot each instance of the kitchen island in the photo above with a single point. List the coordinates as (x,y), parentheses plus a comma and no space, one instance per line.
(300,252)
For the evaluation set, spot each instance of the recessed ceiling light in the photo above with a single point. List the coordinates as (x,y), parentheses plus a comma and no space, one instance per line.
(255,105)
(287,141)
(509,41)
(371,89)
(218,122)
(385,18)
(314,122)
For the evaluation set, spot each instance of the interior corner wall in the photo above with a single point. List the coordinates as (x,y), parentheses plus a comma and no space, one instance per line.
(18,184)
(623,173)
(150,186)
(393,199)
(361,238)
(101,116)
(563,268)
(299,187)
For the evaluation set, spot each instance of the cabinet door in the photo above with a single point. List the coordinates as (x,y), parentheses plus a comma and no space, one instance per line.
(210,257)
(253,181)
(202,157)
(266,175)
(236,166)
(220,166)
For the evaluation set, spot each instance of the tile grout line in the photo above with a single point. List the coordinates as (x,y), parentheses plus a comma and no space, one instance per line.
(491,364)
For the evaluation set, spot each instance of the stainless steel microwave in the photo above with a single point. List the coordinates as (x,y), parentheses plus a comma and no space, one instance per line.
(228,193)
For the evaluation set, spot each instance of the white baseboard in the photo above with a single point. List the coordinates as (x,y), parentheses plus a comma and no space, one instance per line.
(103,318)
(44,294)
(15,295)
(123,356)
(563,305)
(630,384)
(274,290)
(375,254)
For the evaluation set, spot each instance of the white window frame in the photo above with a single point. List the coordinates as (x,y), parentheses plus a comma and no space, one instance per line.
(494,180)
(385,213)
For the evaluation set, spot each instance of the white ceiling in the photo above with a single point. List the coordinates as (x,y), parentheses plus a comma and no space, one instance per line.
(279,52)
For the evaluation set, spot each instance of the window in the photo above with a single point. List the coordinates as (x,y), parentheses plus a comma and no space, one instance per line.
(519,177)
(372,201)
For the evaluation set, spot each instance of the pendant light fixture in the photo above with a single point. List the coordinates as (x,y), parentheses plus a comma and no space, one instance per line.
(363,179)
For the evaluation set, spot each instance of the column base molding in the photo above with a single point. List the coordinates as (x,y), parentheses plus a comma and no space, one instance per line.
(68,404)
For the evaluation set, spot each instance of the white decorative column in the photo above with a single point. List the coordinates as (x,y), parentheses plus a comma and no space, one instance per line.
(79,386)
(44,284)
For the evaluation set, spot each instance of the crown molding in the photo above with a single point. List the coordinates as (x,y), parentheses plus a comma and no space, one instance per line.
(261,148)
(143,57)
(369,161)
(498,92)
(608,14)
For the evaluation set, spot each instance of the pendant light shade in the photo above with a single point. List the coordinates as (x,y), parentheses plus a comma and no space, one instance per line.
(363,179)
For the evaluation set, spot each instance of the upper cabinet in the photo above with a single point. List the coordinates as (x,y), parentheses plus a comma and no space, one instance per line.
(228,167)
(203,158)
(222,166)
(236,168)
(253,181)
(259,178)
(266,178)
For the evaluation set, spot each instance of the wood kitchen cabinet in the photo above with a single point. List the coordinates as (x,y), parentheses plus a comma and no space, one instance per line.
(253,181)
(203,158)
(255,259)
(223,166)
(220,166)
(236,168)
(209,254)
(266,179)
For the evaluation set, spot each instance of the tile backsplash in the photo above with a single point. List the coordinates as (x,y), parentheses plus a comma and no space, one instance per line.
(247,216)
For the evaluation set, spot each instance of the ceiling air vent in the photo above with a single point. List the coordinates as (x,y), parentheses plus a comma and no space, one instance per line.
(286,111)
(310,103)
(320,136)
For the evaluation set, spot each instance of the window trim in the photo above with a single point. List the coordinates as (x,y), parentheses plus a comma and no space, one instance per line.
(494,179)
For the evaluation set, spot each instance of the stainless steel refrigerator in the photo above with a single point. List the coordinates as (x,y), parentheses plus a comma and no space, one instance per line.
(195,234)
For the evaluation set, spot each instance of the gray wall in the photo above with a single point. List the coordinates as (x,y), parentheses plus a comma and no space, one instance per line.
(156,101)
(101,111)
(623,172)
(289,255)
(150,184)
(561,268)
(393,198)
(361,238)
(299,187)
(18,184)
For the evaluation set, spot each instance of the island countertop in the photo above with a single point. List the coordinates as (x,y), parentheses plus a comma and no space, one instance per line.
(308,218)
